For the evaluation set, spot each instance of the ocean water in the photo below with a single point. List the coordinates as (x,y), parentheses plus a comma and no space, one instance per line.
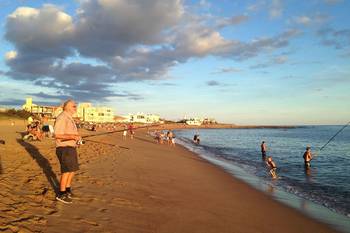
(326,183)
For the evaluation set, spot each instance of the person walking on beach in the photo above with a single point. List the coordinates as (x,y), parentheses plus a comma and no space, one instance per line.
(66,135)
(307,157)
(124,134)
(271,164)
(131,130)
(263,150)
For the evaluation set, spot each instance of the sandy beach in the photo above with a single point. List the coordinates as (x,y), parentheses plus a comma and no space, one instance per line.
(136,186)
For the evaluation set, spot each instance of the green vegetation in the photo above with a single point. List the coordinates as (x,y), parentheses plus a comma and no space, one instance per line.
(13,113)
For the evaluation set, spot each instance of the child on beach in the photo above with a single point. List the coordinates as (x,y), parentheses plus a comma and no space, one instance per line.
(271,164)
(124,134)
(172,142)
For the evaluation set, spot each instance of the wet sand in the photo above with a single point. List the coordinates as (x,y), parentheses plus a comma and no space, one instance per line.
(137,186)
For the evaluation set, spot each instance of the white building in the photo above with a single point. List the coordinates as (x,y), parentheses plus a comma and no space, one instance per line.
(142,118)
(193,121)
(86,112)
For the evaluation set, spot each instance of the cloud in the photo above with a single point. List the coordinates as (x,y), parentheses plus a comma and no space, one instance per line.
(338,39)
(20,102)
(279,60)
(234,20)
(10,55)
(332,2)
(276,9)
(314,19)
(204,4)
(213,83)
(227,70)
(130,40)
(305,20)
(258,5)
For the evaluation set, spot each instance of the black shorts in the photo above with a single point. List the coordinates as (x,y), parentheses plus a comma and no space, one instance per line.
(263,153)
(46,128)
(68,158)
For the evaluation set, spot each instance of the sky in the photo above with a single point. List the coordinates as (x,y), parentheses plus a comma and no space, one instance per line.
(245,62)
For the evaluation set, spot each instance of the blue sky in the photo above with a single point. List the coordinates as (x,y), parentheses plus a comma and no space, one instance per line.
(244,62)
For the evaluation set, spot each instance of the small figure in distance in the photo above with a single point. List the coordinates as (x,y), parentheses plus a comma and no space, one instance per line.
(196,138)
(271,164)
(125,133)
(172,143)
(131,130)
(307,157)
(263,150)
(169,137)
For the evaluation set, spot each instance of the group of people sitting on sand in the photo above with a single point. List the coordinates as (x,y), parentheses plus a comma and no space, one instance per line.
(38,128)
(307,156)
(168,137)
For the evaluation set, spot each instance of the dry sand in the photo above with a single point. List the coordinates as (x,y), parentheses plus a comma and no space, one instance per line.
(137,187)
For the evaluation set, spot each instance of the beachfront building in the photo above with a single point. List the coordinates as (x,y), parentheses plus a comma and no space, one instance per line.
(208,121)
(50,111)
(86,112)
(142,118)
(198,121)
(193,121)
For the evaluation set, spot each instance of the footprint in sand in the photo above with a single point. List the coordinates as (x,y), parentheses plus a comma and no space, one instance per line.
(92,223)
(121,202)
(103,210)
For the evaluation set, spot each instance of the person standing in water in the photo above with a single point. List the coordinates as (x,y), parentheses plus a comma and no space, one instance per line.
(271,164)
(307,157)
(263,150)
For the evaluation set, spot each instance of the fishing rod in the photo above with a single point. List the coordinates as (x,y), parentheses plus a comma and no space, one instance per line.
(81,142)
(116,131)
(331,139)
(108,144)
(346,125)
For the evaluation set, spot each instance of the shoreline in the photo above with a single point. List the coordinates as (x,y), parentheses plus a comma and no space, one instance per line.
(137,186)
(306,207)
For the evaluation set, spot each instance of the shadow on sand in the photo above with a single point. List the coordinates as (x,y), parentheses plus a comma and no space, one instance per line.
(1,142)
(42,162)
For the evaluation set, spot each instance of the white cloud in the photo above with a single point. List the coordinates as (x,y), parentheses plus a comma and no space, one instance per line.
(303,20)
(132,40)
(10,55)
(276,9)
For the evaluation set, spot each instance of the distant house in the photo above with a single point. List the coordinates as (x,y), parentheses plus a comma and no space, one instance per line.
(142,118)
